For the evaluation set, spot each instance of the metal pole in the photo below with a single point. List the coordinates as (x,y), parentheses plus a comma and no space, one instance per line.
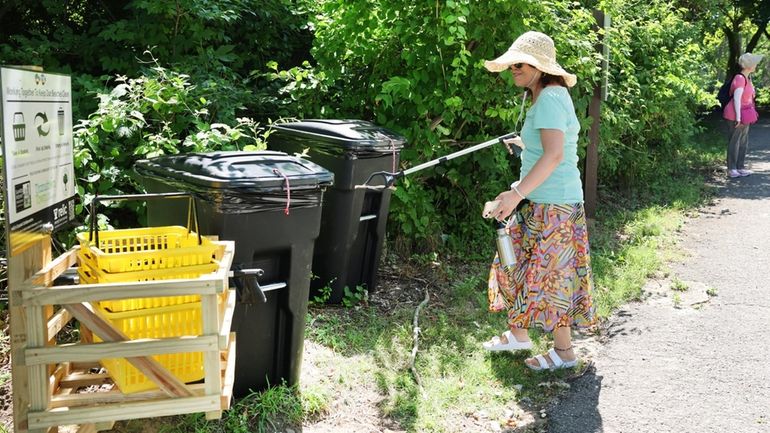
(451,156)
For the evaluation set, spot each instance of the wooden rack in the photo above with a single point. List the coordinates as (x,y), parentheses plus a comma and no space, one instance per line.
(48,378)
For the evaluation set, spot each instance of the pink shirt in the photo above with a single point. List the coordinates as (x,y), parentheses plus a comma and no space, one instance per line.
(747,99)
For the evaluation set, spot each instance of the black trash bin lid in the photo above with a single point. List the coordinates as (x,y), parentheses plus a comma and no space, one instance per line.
(252,171)
(357,136)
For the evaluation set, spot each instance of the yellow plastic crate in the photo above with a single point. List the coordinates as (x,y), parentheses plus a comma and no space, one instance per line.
(89,275)
(164,322)
(131,250)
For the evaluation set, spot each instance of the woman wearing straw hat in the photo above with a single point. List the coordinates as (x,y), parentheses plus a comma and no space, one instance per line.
(740,113)
(550,285)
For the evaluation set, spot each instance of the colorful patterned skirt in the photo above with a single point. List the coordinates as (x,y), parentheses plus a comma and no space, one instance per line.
(551,283)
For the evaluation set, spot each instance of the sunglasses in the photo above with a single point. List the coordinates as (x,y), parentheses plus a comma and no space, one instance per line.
(517,65)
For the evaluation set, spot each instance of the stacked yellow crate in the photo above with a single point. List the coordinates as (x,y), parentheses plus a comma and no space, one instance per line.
(156,253)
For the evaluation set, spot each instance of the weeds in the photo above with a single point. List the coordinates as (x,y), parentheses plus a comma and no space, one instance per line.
(323,296)
(679,285)
(677,300)
(355,296)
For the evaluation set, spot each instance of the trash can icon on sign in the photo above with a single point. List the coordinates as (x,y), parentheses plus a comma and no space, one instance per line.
(19,127)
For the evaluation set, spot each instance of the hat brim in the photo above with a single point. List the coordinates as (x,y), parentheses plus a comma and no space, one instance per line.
(511,57)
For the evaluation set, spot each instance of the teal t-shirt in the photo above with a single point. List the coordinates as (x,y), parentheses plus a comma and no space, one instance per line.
(553,110)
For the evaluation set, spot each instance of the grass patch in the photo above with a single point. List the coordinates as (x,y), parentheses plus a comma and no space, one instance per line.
(268,411)
(459,380)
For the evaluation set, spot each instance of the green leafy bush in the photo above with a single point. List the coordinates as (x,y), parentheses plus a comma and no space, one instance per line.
(418,68)
(415,67)
(155,114)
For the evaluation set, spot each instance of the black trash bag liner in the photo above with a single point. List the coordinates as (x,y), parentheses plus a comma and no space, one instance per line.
(242,182)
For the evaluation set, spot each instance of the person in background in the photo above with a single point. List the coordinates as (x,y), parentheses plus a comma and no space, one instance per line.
(740,113)
(551,283)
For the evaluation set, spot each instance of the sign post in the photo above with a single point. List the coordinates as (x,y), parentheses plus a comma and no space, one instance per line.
(39,198)
(37,154)
(594,111)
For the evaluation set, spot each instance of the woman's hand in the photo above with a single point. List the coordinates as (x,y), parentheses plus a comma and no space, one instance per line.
(516,141)
(508,202)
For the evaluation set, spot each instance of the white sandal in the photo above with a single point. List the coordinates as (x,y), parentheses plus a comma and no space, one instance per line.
(556,362)
(496,344)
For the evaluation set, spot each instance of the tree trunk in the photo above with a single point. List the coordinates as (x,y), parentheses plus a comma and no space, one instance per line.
(733,35)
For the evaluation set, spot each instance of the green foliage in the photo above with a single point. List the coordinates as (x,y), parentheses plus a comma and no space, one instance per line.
(217,43)
(655,89)
(198,95)
(323,296)
(418,68)
(355,296)
(415,67)
(155,114)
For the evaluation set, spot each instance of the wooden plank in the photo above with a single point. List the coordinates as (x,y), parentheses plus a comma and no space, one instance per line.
(55,379)
(77,380)
(77,352)
(123,411)
(82,399)
(95,428)
(148,366)
(102,426)
(53,269)
(21,265)
(84,366)
(228,379)
(48,312)
(226,261)
(37,375)
(57,323)
(86,336)
(99,398)
(226,320)
(140,289)
(212,373)
(87,428)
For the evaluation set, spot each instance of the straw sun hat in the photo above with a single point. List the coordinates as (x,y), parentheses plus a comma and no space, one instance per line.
(535,49)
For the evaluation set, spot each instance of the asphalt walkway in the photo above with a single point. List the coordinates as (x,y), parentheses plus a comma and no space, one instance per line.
(690,362)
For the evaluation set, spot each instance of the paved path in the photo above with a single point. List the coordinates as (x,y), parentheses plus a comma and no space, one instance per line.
(702,367)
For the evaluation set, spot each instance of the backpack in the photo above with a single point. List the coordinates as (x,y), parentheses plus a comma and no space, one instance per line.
(724,95)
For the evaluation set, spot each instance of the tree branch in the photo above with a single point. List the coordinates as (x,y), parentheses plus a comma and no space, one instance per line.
(416,340)
(761,27)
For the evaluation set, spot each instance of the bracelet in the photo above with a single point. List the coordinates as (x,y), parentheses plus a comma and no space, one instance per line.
(513,187)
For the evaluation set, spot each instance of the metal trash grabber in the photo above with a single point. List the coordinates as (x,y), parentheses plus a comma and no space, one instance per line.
(390,177)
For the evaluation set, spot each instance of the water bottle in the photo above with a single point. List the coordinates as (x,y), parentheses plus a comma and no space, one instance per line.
(505,246)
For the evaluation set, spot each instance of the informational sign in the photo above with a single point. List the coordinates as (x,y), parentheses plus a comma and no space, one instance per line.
(37,152)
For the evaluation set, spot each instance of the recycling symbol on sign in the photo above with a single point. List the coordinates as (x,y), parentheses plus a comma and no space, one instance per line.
(41,122)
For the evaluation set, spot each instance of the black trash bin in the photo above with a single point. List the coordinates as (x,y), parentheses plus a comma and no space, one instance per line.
(347,251)
(242,196)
